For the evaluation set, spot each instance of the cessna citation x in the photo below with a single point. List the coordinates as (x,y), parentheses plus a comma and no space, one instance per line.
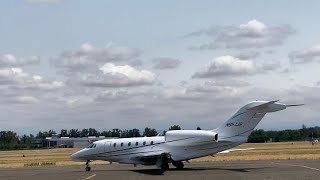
(180,145)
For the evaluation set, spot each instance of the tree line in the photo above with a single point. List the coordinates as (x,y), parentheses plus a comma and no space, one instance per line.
(9,140)
(302,134)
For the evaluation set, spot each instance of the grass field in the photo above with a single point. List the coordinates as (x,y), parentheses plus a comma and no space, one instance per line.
(261,151)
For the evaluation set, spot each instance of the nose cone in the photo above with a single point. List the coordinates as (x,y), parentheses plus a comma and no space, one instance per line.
(77,156)
(74,156)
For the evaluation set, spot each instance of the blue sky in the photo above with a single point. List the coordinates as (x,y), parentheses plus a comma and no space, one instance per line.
(107,64)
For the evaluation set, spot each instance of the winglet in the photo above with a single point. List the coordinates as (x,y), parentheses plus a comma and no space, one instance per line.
(261,104)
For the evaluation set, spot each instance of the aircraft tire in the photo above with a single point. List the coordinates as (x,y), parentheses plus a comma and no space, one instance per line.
(164,167)
(178,164)
(88,169)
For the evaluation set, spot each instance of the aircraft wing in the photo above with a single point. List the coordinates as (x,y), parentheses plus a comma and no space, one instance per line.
(233,150)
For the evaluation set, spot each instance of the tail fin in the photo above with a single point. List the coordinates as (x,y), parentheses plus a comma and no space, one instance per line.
(241,124)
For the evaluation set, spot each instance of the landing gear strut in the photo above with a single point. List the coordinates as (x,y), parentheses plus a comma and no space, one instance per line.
(178,164)
(164,166)
(163,162)
(88,166)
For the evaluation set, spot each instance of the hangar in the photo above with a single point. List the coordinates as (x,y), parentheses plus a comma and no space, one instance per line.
(66,142)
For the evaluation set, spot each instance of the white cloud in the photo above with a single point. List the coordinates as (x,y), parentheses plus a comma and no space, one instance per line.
(118,76)
(205,91)
(253,34)
(21,80)
(9,60)
(88,57)
(25,100)
(165,63)
(226,66)
(128,72)
(305,55)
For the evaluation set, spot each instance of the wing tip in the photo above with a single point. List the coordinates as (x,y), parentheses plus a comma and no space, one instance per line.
(292,105)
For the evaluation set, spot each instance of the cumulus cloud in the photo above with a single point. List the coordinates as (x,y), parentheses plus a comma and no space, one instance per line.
(165,63)
(226,66)
(122,95)
(118,76)
(16,78)
(9,60)
(305,55)
(206,90)
(253,34)
(89,57)
(24,100)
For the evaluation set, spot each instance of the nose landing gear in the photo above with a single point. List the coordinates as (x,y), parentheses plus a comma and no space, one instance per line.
(88,168)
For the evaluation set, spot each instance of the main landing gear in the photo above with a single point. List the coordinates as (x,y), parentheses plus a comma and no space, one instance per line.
(164,166)
(88,168)
(163,162)
(178,164)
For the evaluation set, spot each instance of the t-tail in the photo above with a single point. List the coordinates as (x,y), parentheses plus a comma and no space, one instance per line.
(242,123)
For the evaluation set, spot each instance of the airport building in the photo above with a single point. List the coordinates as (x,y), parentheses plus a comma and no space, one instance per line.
(66,142)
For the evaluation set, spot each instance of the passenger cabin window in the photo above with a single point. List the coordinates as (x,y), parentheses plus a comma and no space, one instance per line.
(121,144)
(151,142)
(94,146)
(114,144)
(129,144)
(144,143)
(137,143)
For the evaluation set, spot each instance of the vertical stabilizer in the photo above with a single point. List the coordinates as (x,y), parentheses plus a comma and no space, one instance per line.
(242,123)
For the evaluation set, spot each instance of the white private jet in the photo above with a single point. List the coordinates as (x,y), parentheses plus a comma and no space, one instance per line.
(180,145)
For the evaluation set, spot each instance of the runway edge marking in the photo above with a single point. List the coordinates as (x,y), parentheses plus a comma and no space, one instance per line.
(295,165)
(91,176)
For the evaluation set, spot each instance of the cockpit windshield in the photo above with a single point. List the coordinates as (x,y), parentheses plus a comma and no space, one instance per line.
(92,146)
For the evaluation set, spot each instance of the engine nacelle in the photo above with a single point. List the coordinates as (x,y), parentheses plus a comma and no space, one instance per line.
(190,137)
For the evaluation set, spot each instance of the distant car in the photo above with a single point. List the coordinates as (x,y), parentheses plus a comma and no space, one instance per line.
(63,146)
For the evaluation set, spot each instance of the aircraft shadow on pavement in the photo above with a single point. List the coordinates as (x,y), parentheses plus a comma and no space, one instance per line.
(158,172)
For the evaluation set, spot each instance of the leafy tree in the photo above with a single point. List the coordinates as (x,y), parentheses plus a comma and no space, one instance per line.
(42,135)
(134,133)
(258,136)
(8,137)
(175,127)
(116,132)
(125,133)
(149,132)
(51,132)
(106,133)
(64,133)
(93,132)
(84,133)
(9,140)
(74,133)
